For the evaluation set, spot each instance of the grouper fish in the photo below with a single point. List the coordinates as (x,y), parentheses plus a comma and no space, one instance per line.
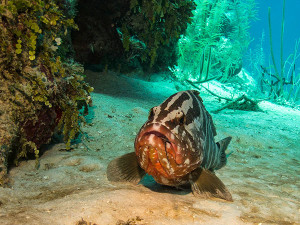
(176,147)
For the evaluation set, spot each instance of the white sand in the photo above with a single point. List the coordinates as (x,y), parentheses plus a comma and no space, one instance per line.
(263,173)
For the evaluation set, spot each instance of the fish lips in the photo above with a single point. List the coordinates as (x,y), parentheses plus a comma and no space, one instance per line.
(167,137)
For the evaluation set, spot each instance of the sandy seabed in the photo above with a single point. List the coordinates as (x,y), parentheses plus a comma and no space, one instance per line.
(70,187)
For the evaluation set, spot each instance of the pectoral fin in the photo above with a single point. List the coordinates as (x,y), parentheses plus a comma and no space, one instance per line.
(206,184)
(125,168)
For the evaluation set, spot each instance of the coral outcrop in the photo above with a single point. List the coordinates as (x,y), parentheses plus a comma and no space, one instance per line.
(40,88)
(124,35)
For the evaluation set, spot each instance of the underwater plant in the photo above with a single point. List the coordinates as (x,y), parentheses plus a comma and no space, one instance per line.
(281,83)
(157,24)
(39,90)
(215,41)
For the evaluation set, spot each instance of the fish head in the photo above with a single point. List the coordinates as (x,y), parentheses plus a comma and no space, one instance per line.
(165,146)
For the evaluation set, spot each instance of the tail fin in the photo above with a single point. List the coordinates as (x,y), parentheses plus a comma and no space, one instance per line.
(223,144)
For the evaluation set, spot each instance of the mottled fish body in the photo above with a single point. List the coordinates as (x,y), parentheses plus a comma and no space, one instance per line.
(176,146)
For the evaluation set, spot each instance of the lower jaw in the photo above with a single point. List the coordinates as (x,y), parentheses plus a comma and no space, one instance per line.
(158,162)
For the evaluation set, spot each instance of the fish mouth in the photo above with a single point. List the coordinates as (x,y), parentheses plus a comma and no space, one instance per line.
(166,136)
(158,150)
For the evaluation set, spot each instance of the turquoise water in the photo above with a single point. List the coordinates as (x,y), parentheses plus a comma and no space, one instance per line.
(262,173)
(260,35)
(291,31)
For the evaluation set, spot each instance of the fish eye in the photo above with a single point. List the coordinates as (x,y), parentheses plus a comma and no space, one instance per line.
(180,118)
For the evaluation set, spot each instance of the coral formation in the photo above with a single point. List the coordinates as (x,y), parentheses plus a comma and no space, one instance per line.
(39,91)
(130,34)
(158,24)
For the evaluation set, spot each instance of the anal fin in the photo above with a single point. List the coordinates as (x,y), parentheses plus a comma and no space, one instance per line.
(206,184)
(125,168)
